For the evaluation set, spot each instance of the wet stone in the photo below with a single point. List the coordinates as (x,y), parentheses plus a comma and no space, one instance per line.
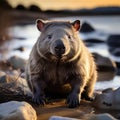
(17,110)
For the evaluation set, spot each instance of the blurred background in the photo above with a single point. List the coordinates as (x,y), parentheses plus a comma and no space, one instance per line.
(100,30)
(65,4)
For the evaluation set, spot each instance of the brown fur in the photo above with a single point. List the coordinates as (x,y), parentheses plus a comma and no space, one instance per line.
(75,66)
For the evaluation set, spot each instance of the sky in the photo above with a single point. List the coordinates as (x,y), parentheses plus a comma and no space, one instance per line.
(65,4)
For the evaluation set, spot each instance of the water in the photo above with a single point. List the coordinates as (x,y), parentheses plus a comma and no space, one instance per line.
(104,25)
(29,33)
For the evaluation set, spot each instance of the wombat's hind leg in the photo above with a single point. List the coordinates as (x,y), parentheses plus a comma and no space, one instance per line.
(87,94)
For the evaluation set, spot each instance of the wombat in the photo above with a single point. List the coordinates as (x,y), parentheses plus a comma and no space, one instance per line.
(59,57)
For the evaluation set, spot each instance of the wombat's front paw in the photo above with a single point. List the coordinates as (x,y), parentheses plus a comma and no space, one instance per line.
(39,100)
(73,100)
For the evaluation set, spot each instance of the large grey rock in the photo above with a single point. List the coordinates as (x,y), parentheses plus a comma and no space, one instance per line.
(15,83)
(17,62)
(104,116)
(17,111)
(109,99)
(105,66)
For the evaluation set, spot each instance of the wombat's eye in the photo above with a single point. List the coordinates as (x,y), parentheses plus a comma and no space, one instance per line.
(49,36)
(69,36)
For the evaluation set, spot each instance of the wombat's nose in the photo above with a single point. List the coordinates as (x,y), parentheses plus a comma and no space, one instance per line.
(59,48)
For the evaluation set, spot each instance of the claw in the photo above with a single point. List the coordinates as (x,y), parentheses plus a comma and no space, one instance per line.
(73,100)
(39,100)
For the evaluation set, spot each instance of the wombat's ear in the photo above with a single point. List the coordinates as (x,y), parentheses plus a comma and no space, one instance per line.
(76,25)
(40,24)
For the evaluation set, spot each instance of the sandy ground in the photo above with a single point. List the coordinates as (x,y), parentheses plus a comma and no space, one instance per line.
(59,108)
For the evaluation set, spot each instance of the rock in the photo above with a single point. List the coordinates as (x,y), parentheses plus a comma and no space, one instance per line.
(104,116)
(113,43)
(105,66)
(61,118)
(114,51)
(13,72)
(14,110)
(4,65)
(2,73)
(89,42)
(21,49)
(118,68)
(93,40)
(108,90)
(15,83)
(19,38)
(108,100)
(17,62)
(86,27)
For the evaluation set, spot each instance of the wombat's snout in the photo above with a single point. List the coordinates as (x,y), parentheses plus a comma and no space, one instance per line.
(59,48)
